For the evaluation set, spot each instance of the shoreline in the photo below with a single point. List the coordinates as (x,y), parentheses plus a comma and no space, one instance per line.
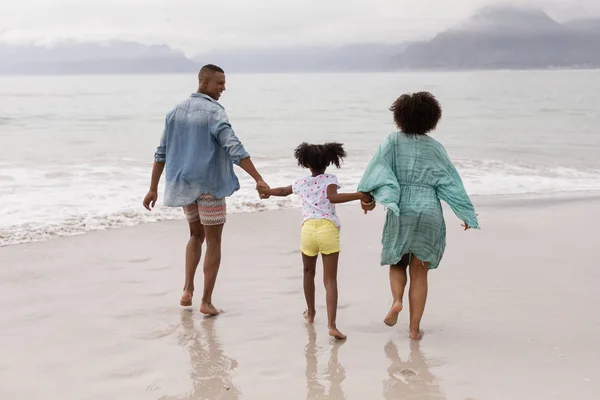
(493,200)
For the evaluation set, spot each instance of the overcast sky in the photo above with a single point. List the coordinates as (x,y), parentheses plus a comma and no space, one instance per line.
(198,25)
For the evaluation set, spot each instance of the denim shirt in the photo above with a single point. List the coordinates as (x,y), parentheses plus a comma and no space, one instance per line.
(199,148)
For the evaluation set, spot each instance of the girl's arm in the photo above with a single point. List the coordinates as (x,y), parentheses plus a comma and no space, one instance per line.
(277,192)
(337,198)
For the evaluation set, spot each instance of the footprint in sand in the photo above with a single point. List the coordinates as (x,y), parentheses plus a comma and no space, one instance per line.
(138,260)
(409,373)
(153,388)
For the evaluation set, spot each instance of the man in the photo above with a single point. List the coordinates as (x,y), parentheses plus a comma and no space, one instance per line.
(198,149)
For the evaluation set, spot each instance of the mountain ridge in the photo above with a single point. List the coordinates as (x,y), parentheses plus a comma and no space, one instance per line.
(492,38)
(507,37)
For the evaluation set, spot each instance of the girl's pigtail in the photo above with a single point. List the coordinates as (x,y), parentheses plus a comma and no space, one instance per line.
(334,153)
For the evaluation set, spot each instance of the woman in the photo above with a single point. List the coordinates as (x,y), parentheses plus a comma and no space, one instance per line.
(409,174)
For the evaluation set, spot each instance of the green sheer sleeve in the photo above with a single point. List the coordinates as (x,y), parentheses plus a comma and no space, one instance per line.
(450,188)
(379,179)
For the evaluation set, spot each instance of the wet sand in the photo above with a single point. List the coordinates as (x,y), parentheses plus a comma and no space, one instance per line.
(512,314)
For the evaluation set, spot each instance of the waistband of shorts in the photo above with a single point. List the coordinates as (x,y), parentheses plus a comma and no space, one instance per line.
(319,222)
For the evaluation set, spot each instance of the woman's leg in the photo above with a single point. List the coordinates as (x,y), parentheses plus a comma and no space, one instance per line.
(310,267)
(330,267)
(417,295)
(397,284)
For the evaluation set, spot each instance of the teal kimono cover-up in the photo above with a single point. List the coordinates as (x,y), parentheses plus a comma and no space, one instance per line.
(409,175)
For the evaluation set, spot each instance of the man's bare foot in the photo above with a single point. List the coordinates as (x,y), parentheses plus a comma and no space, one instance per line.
(186,298)
(416,335)
(391,318)
(309,316)
(336,334)
(209,309)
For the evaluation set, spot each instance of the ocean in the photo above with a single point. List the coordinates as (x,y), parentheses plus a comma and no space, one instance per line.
(77,151)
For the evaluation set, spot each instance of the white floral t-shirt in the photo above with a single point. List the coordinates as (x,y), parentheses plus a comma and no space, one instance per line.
(313,193)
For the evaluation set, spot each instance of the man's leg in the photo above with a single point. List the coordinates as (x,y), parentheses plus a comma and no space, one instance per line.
(212,213)
(193,253)
(212,262)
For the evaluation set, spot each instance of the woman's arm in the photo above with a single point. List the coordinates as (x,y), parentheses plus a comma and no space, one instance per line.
(337,198)
(451,190)
(277,192)
(379,179)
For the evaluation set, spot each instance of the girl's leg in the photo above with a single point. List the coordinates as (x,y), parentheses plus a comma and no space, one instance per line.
(397,284)
(417,295)
(330,266)
(310,267)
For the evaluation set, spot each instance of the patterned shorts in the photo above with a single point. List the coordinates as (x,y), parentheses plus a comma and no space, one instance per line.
(208,210)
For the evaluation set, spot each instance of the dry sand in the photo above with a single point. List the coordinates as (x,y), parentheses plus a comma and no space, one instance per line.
(512,314)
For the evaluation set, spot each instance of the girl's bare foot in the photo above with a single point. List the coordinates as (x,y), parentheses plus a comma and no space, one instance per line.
(209,309)
(416,334)
(309,316)
(186,298)
(391,318)
(336,334)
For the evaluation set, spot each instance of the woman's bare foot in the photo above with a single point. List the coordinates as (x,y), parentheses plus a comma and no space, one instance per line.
(186,298)
(416,334)
(309,316)
(334,332)
(209,309)
(391,318)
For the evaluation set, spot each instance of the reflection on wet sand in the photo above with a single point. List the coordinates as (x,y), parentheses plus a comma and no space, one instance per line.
(334,374)
(211,369)
(410,379)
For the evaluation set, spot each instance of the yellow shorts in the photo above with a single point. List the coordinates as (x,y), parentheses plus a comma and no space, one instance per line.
(319,236)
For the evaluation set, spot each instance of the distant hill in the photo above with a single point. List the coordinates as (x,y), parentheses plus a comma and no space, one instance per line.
(510,38)
(588,26)
(349,58)
(120,57)
(493,38)
(113,57)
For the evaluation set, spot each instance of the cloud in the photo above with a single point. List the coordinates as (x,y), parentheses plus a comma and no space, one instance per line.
(200,25)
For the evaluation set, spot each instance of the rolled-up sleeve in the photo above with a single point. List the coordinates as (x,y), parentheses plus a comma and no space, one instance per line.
(222,131)
(161,151)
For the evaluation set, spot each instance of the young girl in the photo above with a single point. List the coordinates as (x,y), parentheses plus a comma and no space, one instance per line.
(320,224)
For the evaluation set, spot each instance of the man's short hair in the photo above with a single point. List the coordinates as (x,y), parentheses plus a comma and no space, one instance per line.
(209,69)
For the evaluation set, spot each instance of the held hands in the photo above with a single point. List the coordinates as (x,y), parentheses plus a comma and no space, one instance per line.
(367,203)
(263,189)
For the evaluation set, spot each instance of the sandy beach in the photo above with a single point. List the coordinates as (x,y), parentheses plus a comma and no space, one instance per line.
(512,313)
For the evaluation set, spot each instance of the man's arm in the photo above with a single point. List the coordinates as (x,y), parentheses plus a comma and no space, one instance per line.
(157,170)
(152,195)
(247,165)
(160,157)
(221,129)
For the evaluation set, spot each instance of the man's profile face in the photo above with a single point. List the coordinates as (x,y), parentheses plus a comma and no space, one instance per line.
(214,85)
